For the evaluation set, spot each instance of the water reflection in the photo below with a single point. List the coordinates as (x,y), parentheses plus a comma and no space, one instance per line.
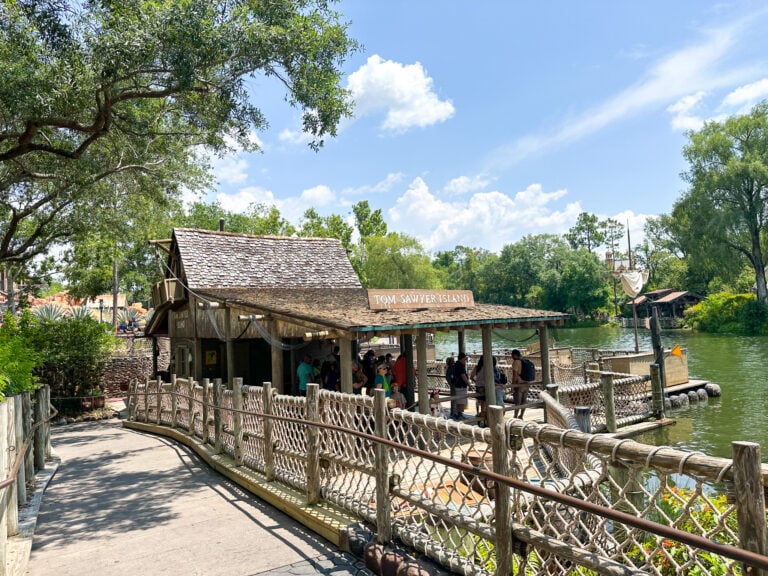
(736,363)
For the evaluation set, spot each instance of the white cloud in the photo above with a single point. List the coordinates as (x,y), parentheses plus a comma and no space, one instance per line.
(404,92)
(381,187)
(682,119)
(464,184)
(689,70)
(230,169)
(243,198)
(295,137)
(318,196)
(489,219)
(748,95)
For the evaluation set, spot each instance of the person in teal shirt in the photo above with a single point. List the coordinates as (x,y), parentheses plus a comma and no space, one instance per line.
(381,380)
(305,374)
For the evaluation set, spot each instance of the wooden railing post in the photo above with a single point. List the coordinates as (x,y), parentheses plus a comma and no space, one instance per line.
(191,405)
(657,392)
(237,418)
(750,499)
(551,389)
(381,459)
(29,461)
(159,401)
(146,401)
(3,468)
(313,444)
(217,427)
(174,402)
(503,511)
(606,382)
(39,432)
(206,395)
(583,415)
(46,426)
(11,495)
(21,477)
(129,400)
(269,447)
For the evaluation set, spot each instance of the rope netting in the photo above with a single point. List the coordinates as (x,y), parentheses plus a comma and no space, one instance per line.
(448,513)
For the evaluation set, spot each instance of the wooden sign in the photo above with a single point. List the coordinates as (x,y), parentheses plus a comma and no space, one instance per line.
(419,299)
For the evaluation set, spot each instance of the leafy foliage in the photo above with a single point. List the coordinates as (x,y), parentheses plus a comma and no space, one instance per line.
(729,313)
(18,359)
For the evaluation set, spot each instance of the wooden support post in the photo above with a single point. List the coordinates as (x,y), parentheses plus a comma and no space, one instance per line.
(269,446)
(191,406)
(503,509)
(10,498)
(421,367)
(46,426)
(217,420)
(39,432)
(490,386)
(21,478)
(606,382)
(583,415)
(3,468)
(551,389)
(381,460)
(657,392)
(658,348)
(29,460)
(345,370)
(276,354)
(546,365)
(230,346)
(159,401)
(237,418)
(462,341)
(410,378)
(750,500)
(206,409)
(146,401)
(313,444)
(174,402)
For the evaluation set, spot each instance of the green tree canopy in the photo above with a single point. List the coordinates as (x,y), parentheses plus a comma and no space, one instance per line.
(92,89)
(397,261)
(726,207)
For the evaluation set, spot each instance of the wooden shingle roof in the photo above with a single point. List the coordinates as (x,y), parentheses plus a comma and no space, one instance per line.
(213,259)
(347,309)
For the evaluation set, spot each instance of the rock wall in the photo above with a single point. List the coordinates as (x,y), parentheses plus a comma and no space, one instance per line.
(137,365)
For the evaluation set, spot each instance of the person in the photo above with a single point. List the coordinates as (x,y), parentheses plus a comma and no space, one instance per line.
(359,379)
(305,374)
(478,377)
(331,378)
(461,384)
(369,369)
(519,386)
(397,397)
(316,371)
(381,381)
(450,378)
(400,375)
(500,383)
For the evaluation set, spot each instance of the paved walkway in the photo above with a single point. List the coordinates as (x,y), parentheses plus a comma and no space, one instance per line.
(124,503)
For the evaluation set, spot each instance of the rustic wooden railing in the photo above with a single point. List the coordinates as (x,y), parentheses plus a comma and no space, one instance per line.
(517,496)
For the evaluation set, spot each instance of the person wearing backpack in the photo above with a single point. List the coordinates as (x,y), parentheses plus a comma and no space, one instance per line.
(500,382)
(450,378)
(521,381)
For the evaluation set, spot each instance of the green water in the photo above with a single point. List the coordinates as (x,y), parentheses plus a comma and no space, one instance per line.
(738,364)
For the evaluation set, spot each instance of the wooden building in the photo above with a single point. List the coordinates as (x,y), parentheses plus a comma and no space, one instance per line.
(251,306)
(671,303)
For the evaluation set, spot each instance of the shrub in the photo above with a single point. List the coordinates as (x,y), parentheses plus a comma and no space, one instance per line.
(17,359)
(729,314)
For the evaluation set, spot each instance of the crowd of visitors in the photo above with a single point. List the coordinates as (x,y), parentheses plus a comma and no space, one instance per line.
(371,372)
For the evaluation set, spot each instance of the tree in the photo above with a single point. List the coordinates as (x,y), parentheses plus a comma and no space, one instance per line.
(586,233)
(332,226)
(461,268)
(368,222)
(398,261)
(727,203)
(94,89)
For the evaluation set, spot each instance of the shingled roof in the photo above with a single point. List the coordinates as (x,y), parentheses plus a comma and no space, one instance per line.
(347,309)
(214,259)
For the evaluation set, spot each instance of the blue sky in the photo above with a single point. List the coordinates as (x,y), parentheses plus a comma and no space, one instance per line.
(478,123)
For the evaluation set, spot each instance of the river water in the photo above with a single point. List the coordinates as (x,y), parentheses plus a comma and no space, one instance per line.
(738,364)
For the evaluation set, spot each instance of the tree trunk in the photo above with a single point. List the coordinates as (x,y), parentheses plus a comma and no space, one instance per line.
(757,256)
(114,291)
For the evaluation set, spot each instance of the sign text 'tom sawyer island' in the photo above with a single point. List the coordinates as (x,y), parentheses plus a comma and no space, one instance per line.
(416,299)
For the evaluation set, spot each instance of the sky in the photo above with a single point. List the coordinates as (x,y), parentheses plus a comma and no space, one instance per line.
(478,123)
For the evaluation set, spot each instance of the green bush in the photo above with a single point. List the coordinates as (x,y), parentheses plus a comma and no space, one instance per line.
(728,313)
(73,353)
(18,359)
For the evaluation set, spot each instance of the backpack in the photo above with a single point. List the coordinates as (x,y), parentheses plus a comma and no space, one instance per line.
(498,376)
(450,374)
(527,370)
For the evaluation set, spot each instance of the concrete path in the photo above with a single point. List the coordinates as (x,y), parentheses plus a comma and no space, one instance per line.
(125,503)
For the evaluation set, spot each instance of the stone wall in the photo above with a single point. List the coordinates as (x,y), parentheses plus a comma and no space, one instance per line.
(134,363)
